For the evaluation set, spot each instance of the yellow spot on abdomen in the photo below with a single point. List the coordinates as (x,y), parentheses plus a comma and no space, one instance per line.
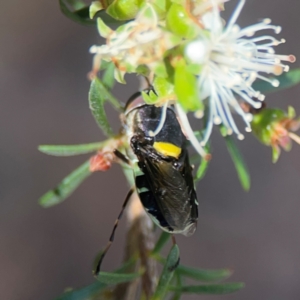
(167,149)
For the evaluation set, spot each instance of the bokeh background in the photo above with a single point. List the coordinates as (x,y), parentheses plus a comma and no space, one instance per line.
(43,97)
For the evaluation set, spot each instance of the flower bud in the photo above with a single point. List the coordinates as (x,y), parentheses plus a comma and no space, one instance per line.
(273,128)
(180,23)
(101,161)
(124,9)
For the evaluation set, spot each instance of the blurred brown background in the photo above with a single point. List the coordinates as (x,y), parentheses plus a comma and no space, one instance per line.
(44,61)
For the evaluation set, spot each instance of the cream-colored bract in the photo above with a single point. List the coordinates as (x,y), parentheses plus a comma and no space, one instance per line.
(139,42)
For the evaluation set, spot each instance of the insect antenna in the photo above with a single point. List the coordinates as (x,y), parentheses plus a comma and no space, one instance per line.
(121,156)
(162,120)
(111,239)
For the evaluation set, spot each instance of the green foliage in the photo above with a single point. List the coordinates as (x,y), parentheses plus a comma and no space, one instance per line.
(182,272)
(167,273)
(240,165)
(203,165)
(100,87)
(116,278)
(108,78)
(186,88)
(212,289)
(124,9)
(94,290)
(161,7)
(203,275)
(103,29)
(273,127)
(163,239)
(163,90)
(150,97)
(95,7)
(98,95)
(78,12)
(76,4)
(179,22)
(70,150)
(108,19)
(172,273)
(263,123)
(84,293)
(66,187)
(286,80)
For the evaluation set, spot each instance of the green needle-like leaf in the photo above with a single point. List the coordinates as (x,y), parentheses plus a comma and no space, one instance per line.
(213,289)
(167,273)
(240,166)
(98,95)
(108,78)
(177,295)
(116,278)
(87,292)
(198,274)
(107,19)
(107,95)
(286,80)
(79,13)
(203,166)
(70,150)
(203,275)
(164,237)
(127,264)
(66,187)
(201,170)
(80,16)
(92,291)
(186,88)
(96,101)
(76,4)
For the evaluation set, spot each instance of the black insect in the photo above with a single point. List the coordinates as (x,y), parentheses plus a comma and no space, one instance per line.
(160,161)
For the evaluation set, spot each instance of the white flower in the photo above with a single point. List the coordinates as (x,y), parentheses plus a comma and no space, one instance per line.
(232,58)
(141,41)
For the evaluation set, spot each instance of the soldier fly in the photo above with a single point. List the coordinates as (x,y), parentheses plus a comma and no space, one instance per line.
(163,174)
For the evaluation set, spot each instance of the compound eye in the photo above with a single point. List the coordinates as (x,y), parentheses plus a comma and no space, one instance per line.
(149,139)
(176,165)
(135,142)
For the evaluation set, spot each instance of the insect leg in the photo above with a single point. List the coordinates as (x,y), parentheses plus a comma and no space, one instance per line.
(111,239)
(121,156)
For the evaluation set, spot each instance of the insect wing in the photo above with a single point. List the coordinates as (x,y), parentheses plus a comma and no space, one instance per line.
(173,189)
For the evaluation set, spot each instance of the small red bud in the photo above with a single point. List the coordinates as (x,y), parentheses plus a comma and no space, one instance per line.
(101,161)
